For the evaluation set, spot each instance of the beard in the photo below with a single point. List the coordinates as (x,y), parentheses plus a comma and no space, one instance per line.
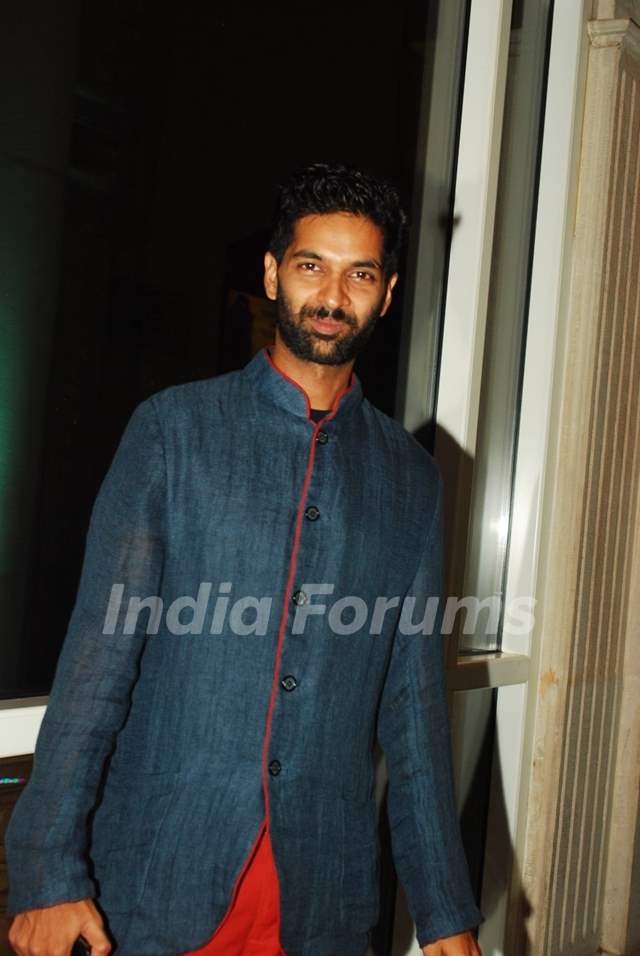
(332,348)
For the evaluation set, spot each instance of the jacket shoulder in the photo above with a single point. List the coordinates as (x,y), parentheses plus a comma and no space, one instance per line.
(406,450)
(187,398)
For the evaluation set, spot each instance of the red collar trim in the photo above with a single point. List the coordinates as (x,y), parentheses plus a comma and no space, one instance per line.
(336,401)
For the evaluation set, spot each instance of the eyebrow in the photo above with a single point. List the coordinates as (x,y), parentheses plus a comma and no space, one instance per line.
(359,264)
(307,254)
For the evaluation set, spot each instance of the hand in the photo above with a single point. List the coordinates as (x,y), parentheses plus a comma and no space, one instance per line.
(52,931)
(462,944)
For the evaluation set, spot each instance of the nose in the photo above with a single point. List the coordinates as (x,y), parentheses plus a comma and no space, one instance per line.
(334,292)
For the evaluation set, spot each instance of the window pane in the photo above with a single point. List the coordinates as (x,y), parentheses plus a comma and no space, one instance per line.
(506,320)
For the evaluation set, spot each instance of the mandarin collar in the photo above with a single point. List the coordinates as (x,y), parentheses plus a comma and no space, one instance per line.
(278,387)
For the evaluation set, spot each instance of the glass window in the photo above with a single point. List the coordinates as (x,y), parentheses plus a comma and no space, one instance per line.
(494,464)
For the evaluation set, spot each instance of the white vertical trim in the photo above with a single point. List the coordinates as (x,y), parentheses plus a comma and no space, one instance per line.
(475,200)
(469,265)
(437,140)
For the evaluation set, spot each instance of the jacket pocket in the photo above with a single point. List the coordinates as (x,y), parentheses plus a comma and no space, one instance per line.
(360,872)
(124,833)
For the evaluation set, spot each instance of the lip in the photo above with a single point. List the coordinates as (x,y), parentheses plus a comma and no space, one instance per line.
(326,325)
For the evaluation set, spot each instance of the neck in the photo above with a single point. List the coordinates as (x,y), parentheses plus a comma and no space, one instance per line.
(322,383)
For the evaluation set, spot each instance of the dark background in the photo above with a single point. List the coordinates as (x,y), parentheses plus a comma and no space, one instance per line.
(182,124)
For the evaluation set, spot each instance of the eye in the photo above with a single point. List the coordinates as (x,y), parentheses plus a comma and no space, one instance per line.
(309,266)
(363,276)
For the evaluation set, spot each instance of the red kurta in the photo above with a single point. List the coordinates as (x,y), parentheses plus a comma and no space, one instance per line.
(251,926)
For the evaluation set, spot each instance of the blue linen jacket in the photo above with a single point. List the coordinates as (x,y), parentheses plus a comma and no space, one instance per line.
(169,743)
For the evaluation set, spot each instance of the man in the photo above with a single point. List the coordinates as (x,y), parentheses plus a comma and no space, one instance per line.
(188,758)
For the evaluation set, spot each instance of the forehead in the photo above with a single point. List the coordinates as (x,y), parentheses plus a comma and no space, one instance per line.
(340,235)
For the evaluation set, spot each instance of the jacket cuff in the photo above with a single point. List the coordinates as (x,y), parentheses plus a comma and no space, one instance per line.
(440,928)
(45,879)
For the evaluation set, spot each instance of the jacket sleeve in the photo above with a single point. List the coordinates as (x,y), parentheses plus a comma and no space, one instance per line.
(46,837)
(413,730)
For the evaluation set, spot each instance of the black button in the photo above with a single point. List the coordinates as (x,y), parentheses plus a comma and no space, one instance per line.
(312,513)
(289,682)
(274,768)
(299,597)
(322,438)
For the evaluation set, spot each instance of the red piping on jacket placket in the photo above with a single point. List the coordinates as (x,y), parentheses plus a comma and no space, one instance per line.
(292,562)
(283,621)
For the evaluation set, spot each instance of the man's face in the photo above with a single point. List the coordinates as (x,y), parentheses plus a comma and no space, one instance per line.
(329,287)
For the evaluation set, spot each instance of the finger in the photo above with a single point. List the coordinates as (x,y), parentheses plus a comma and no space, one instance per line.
(97,939)
(17,936)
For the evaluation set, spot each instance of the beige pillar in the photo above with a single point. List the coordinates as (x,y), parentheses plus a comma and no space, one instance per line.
(572,889)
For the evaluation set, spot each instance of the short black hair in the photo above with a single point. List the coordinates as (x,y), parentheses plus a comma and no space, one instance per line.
(322,188)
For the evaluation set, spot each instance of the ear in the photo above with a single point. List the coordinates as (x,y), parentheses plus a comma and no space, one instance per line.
(270,275)
(388,293)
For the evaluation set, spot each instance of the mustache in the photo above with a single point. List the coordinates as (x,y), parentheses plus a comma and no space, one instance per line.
(321,312)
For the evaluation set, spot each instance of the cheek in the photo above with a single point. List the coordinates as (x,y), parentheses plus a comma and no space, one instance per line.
(369,303)
(298,294)
(291,298)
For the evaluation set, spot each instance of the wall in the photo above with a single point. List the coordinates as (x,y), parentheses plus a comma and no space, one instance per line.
(577,889)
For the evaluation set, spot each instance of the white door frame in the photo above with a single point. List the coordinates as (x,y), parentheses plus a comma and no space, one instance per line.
(461,370)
